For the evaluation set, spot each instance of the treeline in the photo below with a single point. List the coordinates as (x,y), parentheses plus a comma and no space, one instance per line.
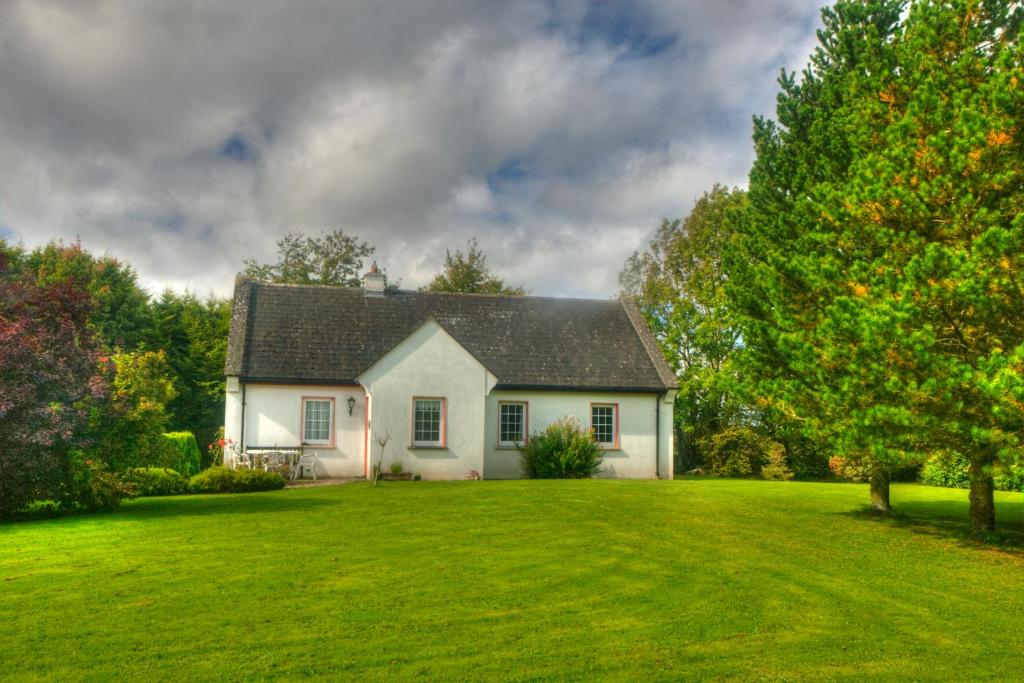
(95,374)
(182,334)
(861,304)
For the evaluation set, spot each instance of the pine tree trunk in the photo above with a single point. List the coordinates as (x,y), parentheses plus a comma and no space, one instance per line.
(880,490)
(983,504)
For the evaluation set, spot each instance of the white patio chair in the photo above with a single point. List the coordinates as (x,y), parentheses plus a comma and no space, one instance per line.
(275,461)
(268,460)
(310,459)
(241,461)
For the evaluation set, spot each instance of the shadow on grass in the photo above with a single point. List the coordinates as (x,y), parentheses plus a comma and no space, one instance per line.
(156,507)
(949,520)
(214,504)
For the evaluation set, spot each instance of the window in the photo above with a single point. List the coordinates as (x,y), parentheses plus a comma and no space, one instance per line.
(512,426)
(604,423)
(318,421)
(428,422)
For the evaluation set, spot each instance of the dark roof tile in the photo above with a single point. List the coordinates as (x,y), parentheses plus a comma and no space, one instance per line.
(293,333)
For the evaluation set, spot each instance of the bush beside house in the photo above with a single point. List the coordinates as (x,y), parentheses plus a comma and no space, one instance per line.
(564,450)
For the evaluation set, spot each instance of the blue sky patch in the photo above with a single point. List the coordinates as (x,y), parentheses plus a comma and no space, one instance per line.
(622,25)
(237,149)
(512,171)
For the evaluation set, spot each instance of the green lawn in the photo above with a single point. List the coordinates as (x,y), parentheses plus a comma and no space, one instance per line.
(517,580)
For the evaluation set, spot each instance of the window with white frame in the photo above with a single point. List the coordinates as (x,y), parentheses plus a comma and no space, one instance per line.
(317,420)
(511,423)
(604,423)
(428,422)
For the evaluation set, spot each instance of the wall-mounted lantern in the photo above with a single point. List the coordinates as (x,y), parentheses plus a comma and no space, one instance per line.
(351,404)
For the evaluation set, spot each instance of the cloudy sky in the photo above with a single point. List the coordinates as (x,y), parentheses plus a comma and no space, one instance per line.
(184,137)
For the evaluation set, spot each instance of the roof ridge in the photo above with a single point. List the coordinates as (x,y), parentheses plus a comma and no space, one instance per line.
(534,297)
(296,285)
(481,295)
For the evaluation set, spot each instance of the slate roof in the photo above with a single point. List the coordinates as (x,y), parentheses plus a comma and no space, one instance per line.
(329,335)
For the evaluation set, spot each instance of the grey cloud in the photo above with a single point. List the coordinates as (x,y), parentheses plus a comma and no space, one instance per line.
(185,137)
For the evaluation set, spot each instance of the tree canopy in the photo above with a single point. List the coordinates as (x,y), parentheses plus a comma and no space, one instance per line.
(467,272)
(334,259)
(678,284)
(875,275)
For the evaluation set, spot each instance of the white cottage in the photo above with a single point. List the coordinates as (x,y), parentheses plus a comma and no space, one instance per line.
(456,380)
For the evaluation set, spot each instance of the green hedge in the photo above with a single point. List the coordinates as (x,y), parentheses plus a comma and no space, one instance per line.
(185,456)
(224,480)
(156,481)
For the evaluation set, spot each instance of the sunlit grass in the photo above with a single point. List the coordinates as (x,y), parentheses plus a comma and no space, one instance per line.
(522,580)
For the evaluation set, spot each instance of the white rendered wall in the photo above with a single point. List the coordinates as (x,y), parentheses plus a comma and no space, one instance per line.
(273,416)
(666,454)
(233,411)
(429,363)
(633,459)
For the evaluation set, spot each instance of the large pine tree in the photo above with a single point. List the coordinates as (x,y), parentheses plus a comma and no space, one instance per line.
(788,274)
(878,277)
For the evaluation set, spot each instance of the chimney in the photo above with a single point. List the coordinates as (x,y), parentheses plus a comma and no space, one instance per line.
(373,282)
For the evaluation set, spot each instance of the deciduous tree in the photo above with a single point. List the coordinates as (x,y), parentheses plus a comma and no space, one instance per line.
(468,273)
(678,284)
(333,259)
(48,383)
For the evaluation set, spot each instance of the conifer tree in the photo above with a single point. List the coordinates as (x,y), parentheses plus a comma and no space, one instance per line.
(787,274)
(881,302)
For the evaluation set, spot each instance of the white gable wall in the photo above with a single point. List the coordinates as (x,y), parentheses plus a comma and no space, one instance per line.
(638,423)
(430,363)
(273,417)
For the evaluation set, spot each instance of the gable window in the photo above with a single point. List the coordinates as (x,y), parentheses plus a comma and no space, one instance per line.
(604,423)
(512,423)
(318,421)
(428,422)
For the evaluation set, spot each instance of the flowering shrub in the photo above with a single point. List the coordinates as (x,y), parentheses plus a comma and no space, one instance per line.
(215,450)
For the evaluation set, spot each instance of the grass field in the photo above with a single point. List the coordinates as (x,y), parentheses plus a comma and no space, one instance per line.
(517,580)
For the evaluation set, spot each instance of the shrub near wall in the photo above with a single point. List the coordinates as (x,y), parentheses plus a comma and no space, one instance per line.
(564,450)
